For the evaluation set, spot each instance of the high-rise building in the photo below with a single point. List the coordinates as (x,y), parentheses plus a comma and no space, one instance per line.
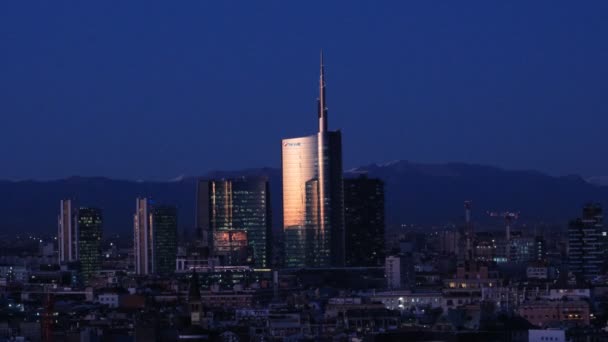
(467,237)
(313,198)
(142,243)
(155,238)
(364,221)
(585,245)
(67,237)
(399,272)
(89,221)
(234,219)
(164,238)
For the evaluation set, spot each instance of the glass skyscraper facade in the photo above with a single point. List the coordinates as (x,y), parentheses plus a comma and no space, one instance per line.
(585,243)
(89,221)
(364,221)
(164,239)
(67,234)
(234,219)
(313,201)
(155,238)
(142,238)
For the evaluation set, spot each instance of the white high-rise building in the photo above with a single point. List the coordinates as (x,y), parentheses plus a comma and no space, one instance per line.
(142,246)
(67,236)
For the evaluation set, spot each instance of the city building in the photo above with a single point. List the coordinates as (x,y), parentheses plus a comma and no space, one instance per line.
(544,312)
(465,250)
(164,238)
(89,223)
(67,236)
(364,221)
(233,217)
(585,244)
(399,271)
(313,199)
(155,238)
(549,335)
(142,244)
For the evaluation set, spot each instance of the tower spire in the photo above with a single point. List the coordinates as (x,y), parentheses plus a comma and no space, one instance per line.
(322,105)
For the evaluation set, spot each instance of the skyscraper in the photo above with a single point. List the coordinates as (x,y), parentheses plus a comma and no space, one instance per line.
(142,243)
(234,219)
(89,222)
(67,236)
(313,202)
(585,246)
(164,238)
(155,238)
(364,221)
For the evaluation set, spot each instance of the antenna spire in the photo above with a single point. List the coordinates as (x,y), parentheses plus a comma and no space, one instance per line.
(322,105)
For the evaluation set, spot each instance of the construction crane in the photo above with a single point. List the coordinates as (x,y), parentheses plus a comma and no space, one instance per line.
(509,217)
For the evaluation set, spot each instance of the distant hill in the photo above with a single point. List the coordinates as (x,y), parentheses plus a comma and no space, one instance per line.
(415,193)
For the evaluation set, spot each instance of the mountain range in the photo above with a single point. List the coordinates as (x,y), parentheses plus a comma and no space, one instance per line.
(425,194)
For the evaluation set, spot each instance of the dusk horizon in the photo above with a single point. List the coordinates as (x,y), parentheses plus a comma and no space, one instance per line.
(332,171)
(475,84)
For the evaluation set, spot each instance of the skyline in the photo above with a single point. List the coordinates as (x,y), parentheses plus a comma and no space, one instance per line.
(137,100)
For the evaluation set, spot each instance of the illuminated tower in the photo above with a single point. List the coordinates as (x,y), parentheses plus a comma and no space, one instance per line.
(67,236)
(234,219)
(89,222)
(313,199)
(155,238)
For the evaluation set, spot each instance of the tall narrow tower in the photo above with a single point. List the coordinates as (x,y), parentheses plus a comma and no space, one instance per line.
(468,231)
(142,243)
(67,235)
(322,105)
(313,198)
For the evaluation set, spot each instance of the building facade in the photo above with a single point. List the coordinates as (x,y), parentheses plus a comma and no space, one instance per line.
(142,238)
(585,244)
(399,272)
(89,221)
(234,219)
(364,221)
(164,239)
(313,196)
(67,235)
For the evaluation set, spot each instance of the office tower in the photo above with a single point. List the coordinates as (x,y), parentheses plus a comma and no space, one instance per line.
(585,247)
(142,243)
(155,238)
(364,221)
(313,202)
(89,222)
(233,217)
(164,239)
(468,250)
(67,237)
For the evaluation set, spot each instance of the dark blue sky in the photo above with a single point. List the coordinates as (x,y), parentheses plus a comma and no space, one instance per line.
(144,89)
